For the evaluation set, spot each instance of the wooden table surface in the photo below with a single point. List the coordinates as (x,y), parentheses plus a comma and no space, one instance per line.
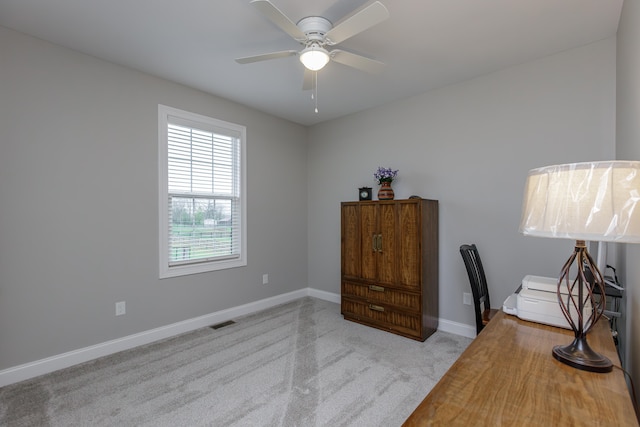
(508,377)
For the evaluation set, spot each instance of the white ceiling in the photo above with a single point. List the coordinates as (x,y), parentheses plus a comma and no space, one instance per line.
(426,44)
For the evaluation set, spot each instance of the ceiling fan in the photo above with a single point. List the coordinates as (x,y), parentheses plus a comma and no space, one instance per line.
(316,33)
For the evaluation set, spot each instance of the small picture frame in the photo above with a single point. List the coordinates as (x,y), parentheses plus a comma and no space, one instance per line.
(364,193)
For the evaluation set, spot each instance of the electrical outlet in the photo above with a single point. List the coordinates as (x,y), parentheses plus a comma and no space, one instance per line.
(265,279)
(466,298)
(121,308)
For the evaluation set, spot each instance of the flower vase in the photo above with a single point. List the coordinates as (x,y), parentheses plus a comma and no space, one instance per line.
(385,192)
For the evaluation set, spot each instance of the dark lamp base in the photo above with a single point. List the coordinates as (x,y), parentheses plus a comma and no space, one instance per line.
(579,355)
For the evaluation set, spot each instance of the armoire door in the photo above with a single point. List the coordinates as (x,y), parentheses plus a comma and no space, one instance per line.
(378,235)
(351,241)
(387,254)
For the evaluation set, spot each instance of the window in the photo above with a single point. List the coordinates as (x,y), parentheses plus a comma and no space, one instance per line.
(202,193)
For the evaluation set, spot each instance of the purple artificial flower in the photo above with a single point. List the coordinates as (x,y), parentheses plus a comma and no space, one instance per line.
(385,174)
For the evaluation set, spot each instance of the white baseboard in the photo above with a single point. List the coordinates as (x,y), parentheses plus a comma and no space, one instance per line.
(44,366)
(457,328)
(324,295)
(64,360)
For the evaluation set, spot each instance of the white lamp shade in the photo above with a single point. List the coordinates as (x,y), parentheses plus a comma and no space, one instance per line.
(596,201)
(314,58)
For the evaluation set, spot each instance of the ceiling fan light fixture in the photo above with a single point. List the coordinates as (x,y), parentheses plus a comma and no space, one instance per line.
(314,57)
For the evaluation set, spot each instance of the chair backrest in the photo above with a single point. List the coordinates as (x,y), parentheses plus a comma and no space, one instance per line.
(477,280)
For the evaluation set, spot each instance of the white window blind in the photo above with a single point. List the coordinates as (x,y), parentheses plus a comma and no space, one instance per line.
(202,193)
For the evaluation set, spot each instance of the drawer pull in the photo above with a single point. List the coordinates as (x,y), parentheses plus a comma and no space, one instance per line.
(375,307)
(376,288)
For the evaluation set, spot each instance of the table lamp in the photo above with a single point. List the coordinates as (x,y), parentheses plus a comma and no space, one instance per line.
(594,201)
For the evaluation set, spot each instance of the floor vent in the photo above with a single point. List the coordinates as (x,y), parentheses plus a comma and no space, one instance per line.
(222,325)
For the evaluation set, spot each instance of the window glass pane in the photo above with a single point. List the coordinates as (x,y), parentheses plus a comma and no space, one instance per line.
(200,229)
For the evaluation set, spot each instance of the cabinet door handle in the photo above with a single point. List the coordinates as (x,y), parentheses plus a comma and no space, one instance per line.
(376,288)
(375,307)
(376,240)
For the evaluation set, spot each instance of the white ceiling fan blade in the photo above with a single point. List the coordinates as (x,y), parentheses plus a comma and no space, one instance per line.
(358,22)
(307,83)
(359,62)
(266,56)
(280,19)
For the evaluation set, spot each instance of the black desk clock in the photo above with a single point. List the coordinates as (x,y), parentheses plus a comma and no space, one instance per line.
(365,193)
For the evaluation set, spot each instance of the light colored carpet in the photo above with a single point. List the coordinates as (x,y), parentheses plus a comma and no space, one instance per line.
(298,364)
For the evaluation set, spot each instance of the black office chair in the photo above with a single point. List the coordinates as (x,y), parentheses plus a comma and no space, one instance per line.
(478,282)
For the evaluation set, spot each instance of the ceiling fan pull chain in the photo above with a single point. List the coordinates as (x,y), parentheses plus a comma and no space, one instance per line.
(315,86)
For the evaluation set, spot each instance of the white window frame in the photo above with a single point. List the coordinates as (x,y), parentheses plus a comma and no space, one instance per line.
(165,116)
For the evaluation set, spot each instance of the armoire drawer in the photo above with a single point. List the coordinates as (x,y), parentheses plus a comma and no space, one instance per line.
(382,317)
(382,294)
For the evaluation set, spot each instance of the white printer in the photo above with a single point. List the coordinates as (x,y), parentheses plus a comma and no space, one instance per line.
(537,301)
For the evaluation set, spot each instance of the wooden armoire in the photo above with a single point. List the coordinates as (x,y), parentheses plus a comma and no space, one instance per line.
(390,265)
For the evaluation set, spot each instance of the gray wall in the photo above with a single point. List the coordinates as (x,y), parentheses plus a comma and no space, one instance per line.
(470,146)
(628,148)
(79,203)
